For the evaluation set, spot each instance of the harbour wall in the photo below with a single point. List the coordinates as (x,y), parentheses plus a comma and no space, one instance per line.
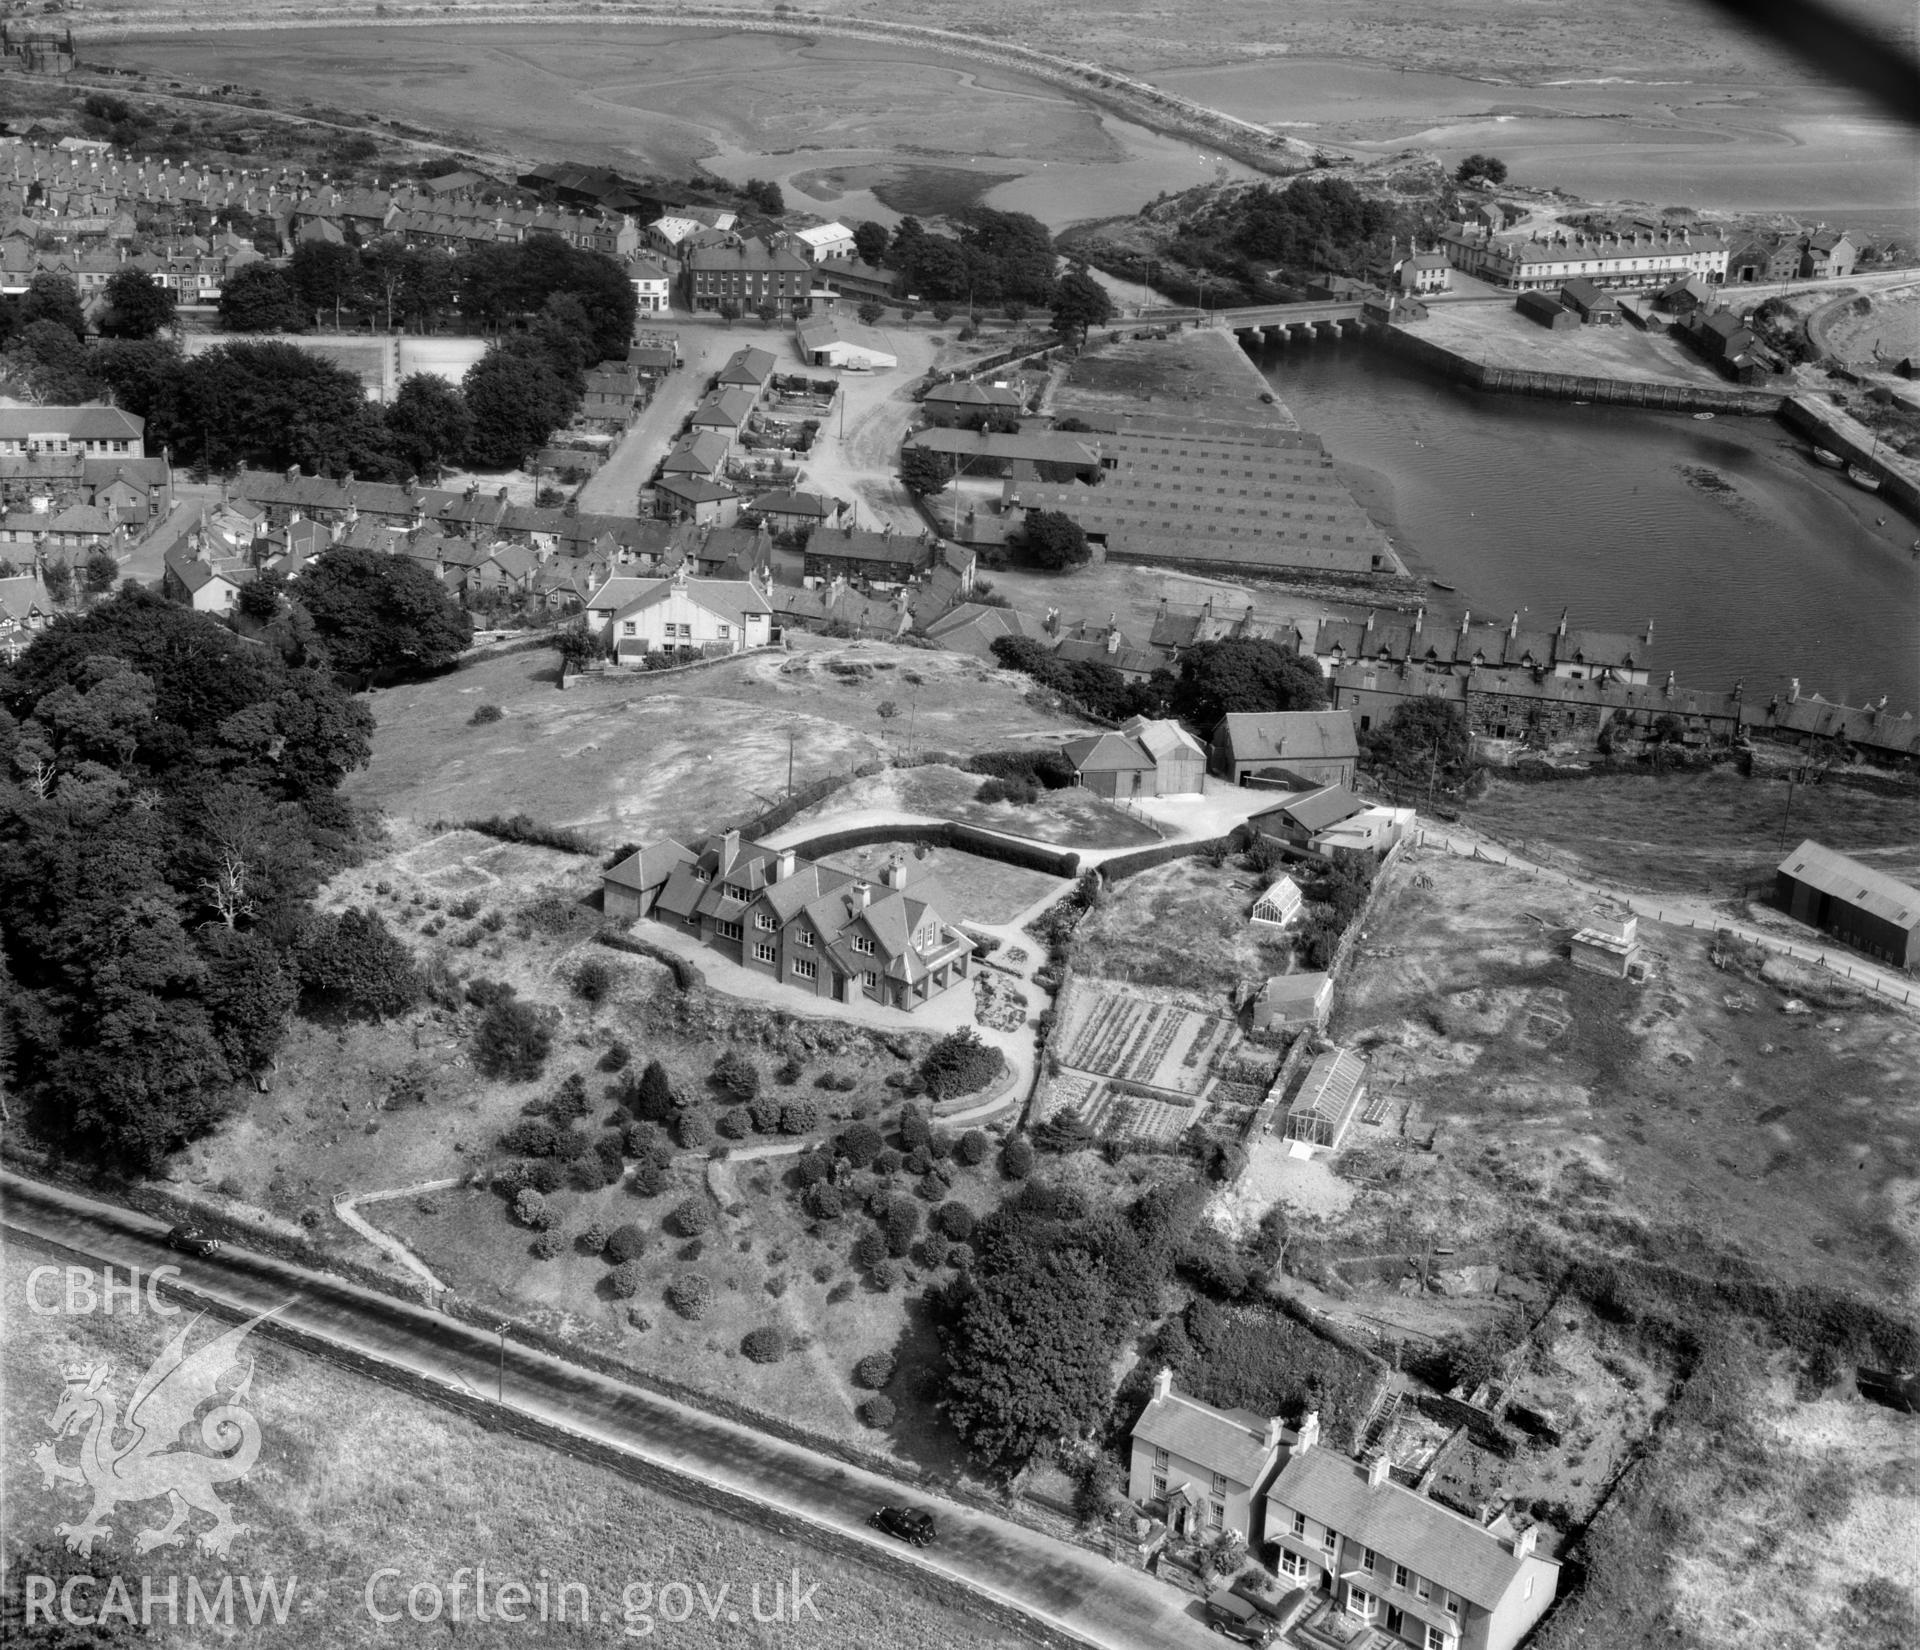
(1853,441)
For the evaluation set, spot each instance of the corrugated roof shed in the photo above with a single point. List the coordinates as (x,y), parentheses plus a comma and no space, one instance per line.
(1874,892)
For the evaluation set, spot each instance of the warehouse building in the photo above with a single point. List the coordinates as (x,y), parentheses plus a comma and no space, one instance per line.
(1874,913)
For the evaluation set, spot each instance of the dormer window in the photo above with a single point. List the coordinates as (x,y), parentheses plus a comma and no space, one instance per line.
(863,945)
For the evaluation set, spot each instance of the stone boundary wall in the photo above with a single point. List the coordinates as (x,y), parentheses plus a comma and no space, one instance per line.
(1855,443)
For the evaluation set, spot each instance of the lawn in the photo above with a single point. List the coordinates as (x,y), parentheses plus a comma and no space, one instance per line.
(354,1477)
(1072,818)
(978,890)
(631,755)
(1707,834)
(1184,925)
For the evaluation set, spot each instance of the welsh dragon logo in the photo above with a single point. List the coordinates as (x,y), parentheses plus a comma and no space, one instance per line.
(135,1458)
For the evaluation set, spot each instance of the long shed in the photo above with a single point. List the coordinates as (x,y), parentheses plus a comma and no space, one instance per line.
(1858,905)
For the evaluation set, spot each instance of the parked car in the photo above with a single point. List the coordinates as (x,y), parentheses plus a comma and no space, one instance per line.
(1283,1610)
(905,1524)
(192,1241)
(1232,1616)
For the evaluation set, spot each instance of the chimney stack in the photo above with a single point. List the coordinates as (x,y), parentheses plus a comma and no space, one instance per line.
(1309,1433)
(863,893)
(784,865)
(1513,627)
(895,875)
(1379,1464)
(1162,1383)
(1465,618)
(1523,1541)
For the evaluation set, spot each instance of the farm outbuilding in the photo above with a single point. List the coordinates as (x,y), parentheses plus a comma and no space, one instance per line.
(1329,1099)
(628,890)
(1608,946)
(1859,906)
(1180,759)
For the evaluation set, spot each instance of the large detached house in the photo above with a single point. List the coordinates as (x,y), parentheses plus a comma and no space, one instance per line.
(660,615)
(1401,1562)
(815,927)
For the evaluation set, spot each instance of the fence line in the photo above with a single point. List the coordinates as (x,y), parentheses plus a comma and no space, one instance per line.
(1753,936)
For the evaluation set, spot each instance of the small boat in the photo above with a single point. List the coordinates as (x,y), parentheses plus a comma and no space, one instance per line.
(1833,461)
(1437,585)
(1701,418)
(1864,478)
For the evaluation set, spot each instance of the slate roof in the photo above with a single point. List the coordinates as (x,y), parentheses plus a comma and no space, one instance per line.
(732,599)
(650,866)
(698,454)
(1293,990)
(1294,735)
(1106,753)
(1232,1442)
(725,409)
(1861,886)
(1404,1527)
(1317,809)
(864,545)
(1163,738)
(795,504)
(965,393)
(76,423)
(751,367)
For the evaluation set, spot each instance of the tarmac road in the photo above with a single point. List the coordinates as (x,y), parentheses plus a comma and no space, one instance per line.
(1071,1589)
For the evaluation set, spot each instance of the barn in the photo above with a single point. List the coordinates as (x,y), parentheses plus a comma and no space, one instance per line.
(1859,906)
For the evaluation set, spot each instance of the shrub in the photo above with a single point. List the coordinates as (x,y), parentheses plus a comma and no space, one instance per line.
(873,1371)
(766,1345)
(859,1144)
(902,1225)
(593,981)
(1016,1158)
(955,1220)
(919,1161)
(644,1141)
(543,1176)
(650,1096)
(845,1082)
(355,964)
(547,1245)
(790,1072)
(1022,793)
(869,1249)
(971,1148)
(915,1130)
(737,1074)
(877,1412)
(690,1295)
(694,1250)
(692,1130)
(524,828)
(733,1123)
(570,1100)
(531,1138)
(799,1117)
(484,714)
(888,1162)
(530,1209)
(886,1276)
(592,1238)
(625,1280)
(649,1178)
(765,1115)
(959,1256)
(616,1057)
(960,1063)
(810,1168)
(822,1201)
(626,1243)
(513,1041)
(691,1216)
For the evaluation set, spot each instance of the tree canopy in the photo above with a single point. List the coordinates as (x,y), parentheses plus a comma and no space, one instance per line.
(923,472)
(380,615)
(167,807)
(137,305)
(1244,674)
(1054,540)
(1079,302)
(1478,168)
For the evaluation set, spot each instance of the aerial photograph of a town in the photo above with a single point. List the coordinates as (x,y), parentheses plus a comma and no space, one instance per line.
(892,825)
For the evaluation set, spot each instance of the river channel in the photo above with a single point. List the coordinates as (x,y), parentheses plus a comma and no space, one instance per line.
(1754,564)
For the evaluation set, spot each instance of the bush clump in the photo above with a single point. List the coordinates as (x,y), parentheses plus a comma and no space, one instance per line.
(690,1295)
(692,1130)
(799,1117)
(877,1412)
(593,981)
(484,714)
(955,1220)
(874,1371)
(765,1345)
(513,1040)
(822,1201)
(859,1145)
(972,1147)
(960,1063)
(736,1073)
(626,1243)
(547,1245)
(692,1216)
(734,1123)
(1016,1158)
(530,1209)
(902,1225)
(625,1279)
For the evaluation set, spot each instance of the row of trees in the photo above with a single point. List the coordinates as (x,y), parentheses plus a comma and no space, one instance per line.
(1214,679)
(388,283)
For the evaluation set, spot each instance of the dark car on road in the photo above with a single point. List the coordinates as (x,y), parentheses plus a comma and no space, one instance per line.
(190,1240)
(1233,1617)
(905,1524)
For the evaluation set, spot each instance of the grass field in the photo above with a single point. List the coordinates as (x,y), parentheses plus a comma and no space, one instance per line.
(354,1477)
(634,756)
(1071,818)
(1710,834)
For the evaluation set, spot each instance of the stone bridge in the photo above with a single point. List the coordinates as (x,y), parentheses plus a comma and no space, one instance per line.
(1278,323)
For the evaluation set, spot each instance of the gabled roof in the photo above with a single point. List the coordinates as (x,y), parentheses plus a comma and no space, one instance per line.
(1106,753)
(751,367)
(1292,735)
(1332,1084)
(965,393)
(1874,892)
(698,454)
(1232,1442)
(1163,738)
(726,409)
(1302,990)
(731,599)
(1316,810)
(650,866)
(795,504)
(1407,1528)
(76,423)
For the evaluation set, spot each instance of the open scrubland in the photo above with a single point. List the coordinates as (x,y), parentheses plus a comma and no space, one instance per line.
(1673,1214)
(1183,925)
(1714,835)
(633,755)
(354,1477)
